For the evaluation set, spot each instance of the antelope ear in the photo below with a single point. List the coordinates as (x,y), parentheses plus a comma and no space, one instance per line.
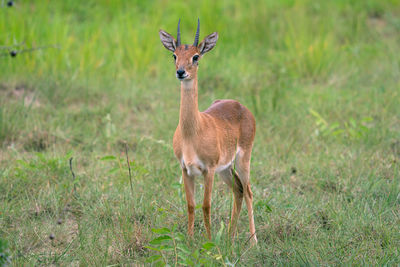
(167,40)
(208,43)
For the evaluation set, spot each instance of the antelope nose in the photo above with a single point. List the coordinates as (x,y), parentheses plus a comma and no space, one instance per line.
(180,72)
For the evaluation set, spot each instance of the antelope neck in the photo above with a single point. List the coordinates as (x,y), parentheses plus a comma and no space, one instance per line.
(189,113)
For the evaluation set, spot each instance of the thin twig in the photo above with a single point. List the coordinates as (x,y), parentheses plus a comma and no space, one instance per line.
(241,254)
(12,46)
(222,258)
(249,239)
(72,171)
(14,53)
(40,48)
(176,253)
(129,167)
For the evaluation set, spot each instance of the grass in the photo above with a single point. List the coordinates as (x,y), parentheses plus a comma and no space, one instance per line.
(321,77)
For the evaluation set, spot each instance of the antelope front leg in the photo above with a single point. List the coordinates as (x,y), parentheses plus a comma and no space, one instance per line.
(208,185)
(189,190)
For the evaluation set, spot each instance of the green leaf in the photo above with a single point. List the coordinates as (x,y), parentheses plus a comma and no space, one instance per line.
(176,185)
(179,236)
(263,204)
(208,245)
(183,248)
(23,163)
(140,169)
(110,157)
(166,247)
(160,239)
(161,231)
(337,132)
(160,248)
(113,170)
(366,119)
(220,232)
(160,263)
(353,123)
(363,128)
(183,257)
(153,258)
(196,254)
(218,256)
(318,117)
(334,126)
(181,263)
(152,248)
(267,207)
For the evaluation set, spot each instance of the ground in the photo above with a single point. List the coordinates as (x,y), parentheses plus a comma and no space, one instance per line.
(321,78)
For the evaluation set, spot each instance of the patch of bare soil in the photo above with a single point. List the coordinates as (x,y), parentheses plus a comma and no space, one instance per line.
(20,92)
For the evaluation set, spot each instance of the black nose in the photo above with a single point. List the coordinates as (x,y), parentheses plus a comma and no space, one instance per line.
(180,72)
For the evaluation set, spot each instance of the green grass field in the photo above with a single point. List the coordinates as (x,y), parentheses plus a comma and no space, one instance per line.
(321,77)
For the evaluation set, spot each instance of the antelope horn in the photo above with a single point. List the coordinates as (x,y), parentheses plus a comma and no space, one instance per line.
(196,38)
(178,37)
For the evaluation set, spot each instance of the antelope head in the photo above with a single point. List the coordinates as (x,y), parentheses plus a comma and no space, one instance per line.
(187,56)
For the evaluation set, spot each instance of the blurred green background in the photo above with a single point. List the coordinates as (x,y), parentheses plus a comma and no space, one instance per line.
(321,77)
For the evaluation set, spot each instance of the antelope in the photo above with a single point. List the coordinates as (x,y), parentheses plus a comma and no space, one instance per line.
(217,140)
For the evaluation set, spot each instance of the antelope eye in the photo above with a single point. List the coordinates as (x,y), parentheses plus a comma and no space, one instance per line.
(174,57)
(195,58)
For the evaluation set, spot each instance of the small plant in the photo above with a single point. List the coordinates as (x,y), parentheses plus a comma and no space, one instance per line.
(173,249)
(350,129)
(110,129)
(117,165)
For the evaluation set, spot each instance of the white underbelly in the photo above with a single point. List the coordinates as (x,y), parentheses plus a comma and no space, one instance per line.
(229,164)
(223,167)
(195,167)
